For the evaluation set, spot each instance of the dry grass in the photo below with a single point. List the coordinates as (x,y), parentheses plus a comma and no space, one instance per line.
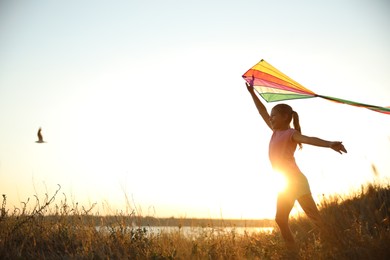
(358,228)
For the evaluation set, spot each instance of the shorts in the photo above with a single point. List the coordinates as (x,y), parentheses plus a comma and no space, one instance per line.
(296,187)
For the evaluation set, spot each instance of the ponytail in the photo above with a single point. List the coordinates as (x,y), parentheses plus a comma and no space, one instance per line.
(296,124)
(291,116)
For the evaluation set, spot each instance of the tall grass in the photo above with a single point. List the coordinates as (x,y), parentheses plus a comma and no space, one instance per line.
(358,227)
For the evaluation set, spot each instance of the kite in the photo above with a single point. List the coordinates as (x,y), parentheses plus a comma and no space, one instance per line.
(273,85)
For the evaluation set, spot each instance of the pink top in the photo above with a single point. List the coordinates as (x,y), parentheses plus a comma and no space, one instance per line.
(281,152)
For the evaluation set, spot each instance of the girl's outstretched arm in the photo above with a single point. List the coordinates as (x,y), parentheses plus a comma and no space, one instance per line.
(260,106)
(337,146)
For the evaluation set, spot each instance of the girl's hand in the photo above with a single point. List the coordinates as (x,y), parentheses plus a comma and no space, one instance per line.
(259,105)
(249,85)
(338,147)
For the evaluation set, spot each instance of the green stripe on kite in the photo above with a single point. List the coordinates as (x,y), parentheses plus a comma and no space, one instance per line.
(271,97)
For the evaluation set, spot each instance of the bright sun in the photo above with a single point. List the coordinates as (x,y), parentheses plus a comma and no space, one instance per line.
(258,199)
(277,182)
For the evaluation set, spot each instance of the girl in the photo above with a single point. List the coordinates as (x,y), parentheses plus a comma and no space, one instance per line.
(282,146)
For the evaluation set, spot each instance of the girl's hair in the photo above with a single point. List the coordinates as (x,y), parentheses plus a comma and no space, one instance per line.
(291,115)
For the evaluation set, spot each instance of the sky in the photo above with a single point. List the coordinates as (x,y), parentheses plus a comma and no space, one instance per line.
(143,107)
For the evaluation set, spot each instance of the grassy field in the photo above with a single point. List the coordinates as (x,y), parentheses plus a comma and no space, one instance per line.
(359,228)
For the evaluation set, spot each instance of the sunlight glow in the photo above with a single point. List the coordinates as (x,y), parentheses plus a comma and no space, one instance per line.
(278,181)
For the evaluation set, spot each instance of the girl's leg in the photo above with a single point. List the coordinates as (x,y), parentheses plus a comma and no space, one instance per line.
(283,209)
(310,208)
(308,205)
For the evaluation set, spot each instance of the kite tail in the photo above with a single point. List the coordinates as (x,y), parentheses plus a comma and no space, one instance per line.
(384,110)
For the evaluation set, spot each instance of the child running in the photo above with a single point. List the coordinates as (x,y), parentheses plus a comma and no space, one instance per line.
(282,146)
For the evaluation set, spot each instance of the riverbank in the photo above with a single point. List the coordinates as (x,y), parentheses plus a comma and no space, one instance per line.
(359,228)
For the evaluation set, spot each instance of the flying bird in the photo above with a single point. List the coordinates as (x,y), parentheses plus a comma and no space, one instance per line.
(40,138)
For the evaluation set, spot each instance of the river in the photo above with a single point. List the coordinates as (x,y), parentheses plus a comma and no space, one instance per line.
(193,232)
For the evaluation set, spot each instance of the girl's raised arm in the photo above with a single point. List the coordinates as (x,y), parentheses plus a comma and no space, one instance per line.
(259,105)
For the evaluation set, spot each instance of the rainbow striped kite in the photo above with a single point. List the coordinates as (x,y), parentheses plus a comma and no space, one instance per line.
(273,85)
